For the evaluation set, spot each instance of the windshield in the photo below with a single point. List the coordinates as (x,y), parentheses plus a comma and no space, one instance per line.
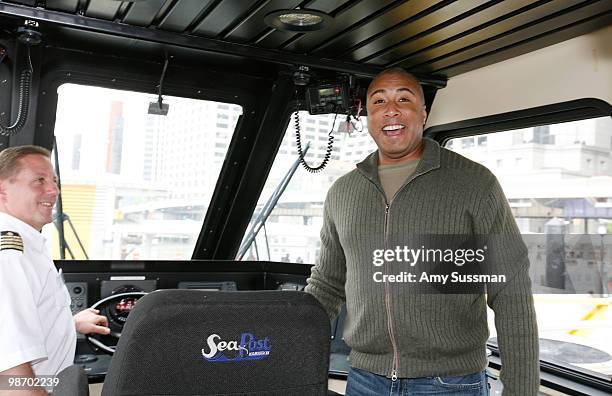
(136,185)
(286,223)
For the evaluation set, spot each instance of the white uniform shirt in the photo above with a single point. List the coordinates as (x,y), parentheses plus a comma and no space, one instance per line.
(36,324)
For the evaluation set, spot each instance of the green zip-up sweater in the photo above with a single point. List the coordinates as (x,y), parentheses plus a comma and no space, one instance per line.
(392,328)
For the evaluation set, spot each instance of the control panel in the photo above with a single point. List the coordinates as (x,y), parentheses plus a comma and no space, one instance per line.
(78,296)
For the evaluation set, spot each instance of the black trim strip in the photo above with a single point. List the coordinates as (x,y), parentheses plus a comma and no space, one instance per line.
(573,110)
(549,25)
(452,39)
(203,14)
(173,266)
(383,36)
(242,19)
(373,21)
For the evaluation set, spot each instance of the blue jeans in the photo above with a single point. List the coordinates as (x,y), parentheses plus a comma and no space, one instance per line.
(364,383)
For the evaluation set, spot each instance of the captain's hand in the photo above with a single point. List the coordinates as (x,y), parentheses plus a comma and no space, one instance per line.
(88,321)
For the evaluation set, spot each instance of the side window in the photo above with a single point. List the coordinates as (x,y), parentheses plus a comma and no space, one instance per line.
(135,185)
(558,181)
(291,231)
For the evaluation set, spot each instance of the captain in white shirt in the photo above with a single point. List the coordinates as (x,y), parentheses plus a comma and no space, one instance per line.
(37,329)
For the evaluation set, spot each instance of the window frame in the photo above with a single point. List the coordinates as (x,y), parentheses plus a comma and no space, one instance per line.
(104,72)
(574,110)
(84,82)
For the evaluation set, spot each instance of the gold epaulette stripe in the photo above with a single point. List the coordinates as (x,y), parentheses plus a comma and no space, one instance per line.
(10,247)
(11,243)
(10,239)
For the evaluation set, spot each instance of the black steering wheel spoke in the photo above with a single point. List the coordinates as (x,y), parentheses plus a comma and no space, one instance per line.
(116,308)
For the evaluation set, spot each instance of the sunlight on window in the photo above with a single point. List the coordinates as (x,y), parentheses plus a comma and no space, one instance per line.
(136,186)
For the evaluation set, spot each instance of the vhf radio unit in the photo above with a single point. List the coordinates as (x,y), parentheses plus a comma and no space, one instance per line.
(328,98)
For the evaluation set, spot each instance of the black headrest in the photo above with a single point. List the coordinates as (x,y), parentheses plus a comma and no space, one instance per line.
(188,342)
(72,381)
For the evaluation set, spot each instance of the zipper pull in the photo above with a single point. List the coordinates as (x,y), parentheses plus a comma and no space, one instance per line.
(386,208)
(394,375)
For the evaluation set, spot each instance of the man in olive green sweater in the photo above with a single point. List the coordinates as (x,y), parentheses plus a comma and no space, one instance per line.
(403,340)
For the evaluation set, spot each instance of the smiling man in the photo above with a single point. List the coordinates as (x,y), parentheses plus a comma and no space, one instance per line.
(403,341)
(396,115)
(37,330)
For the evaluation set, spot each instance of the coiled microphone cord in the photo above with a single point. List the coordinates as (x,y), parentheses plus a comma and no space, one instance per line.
(298,142)
(25,82)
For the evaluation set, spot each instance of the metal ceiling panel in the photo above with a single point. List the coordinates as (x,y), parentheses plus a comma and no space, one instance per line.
(103,9)
(426,36)
(500,18)
(574,30)
(484,35)
(404,14)
(183,13)
(253,25)
(224,16)
(516,37)
(63,5)
(348,19)
(142,13)
(275,38)
(455,19)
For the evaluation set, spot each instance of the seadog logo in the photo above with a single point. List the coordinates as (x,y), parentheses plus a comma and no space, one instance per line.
(248,348)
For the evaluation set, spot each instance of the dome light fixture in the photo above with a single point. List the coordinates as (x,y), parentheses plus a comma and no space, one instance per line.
(298,20)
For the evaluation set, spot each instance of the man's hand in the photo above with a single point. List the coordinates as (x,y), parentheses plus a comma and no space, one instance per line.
(88,321)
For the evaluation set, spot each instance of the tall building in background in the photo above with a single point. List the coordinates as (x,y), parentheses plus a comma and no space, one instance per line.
(115,138)
(152,149)
(560,170)
(186,149)
(76,151)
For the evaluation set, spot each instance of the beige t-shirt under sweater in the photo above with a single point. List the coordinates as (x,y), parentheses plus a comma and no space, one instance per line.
(393,176)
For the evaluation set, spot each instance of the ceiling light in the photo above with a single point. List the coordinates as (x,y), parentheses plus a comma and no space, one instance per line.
(298,20)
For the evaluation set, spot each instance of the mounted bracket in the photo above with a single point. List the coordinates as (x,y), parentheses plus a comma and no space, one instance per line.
(159,107)
(28,34)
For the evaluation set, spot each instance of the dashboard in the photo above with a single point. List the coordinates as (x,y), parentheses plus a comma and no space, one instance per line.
(115,287)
